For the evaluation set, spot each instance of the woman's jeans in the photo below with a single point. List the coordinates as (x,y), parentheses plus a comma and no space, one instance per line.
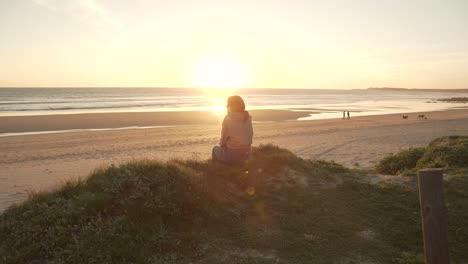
(230,156)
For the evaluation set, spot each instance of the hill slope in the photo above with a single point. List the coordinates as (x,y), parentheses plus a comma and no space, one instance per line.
(278,208)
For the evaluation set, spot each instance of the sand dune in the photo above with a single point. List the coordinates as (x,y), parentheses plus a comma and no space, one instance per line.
(38,162)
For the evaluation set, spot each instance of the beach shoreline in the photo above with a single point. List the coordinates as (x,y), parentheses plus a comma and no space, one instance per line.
(119,120)
(40,162)
(19,125)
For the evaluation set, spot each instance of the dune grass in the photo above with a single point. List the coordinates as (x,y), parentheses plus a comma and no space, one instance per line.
(277,208)
(400,162)
(450,153)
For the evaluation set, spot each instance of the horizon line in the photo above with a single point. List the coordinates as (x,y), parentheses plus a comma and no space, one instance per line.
(220,88)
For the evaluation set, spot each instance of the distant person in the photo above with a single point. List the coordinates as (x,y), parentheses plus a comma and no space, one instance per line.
(236,134)
(344,114)
(349,117)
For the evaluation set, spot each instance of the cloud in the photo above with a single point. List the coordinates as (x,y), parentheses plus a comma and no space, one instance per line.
(88,11)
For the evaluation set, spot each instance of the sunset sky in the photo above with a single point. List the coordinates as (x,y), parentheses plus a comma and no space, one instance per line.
(242,43)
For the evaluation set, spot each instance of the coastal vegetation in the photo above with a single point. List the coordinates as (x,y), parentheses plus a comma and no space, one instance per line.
(276,208)
(450,153)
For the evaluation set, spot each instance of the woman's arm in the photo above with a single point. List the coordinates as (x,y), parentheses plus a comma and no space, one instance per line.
(250,131)
(224,135)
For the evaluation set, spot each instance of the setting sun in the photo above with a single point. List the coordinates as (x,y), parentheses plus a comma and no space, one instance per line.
(217,99)
(220,71)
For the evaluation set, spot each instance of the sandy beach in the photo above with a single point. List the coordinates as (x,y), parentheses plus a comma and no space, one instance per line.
(39,162)
(18,124)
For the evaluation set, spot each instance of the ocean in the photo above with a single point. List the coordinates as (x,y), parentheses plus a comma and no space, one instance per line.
(323,103)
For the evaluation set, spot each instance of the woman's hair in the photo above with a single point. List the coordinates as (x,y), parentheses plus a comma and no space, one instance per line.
(236,104)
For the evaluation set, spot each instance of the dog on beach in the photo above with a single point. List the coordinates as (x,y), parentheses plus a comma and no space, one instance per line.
(405,117)
(422,117)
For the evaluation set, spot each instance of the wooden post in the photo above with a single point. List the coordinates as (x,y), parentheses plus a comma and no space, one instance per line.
(433,216)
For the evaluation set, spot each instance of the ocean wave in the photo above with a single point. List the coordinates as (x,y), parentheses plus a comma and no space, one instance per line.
(54,100)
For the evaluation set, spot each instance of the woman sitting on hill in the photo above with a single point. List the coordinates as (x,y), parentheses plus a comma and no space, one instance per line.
(236,134)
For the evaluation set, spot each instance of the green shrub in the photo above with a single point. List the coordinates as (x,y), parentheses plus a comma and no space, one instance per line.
(397,163)
(446,152)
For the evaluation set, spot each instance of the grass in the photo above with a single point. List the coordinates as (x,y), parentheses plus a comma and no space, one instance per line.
(277,208)
(446,152)
(450,153)
(400,162)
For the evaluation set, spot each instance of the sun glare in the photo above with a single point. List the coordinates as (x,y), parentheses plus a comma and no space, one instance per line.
(220,71)
(217,99)
(218,75)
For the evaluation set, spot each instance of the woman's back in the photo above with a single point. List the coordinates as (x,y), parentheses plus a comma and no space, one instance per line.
(237,130)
